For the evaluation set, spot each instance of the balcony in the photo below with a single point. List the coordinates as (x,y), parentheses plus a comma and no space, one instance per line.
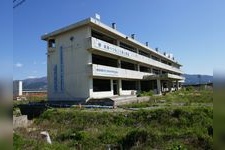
(106,71)
(96,44)
(166,76)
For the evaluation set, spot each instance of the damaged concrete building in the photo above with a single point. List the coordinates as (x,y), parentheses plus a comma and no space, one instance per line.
(89,59)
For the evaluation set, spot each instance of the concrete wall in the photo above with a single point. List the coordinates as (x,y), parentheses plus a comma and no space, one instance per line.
(71,58)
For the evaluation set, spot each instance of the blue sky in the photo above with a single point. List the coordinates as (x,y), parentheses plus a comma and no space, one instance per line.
(192,30)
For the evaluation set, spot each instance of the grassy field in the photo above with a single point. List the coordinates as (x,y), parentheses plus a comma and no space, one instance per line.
(179,120)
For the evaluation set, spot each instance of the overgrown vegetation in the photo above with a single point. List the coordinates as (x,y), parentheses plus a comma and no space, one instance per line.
(170,127)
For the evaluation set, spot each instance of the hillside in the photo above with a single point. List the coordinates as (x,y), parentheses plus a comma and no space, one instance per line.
(35,84)
(196,79)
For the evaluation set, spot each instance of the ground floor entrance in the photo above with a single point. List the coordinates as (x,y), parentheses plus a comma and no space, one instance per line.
(111,87)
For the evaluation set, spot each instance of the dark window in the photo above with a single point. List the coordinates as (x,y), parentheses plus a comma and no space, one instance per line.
(51,43)
(128,85)
(164,61)
(101,85)
(148,85)
(164,72)
(155,71)
(128,47)
(155,58)
(145,69)
(143,53)
(101,60)
(127,65)
(103,37)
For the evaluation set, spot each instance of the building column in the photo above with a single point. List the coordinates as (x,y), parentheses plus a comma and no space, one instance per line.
(118,43)
(159,87)
(139,85)
(120,86)
(90,87)
(170,86)
(177,85)
(111,84)
(138,67)
(119,63)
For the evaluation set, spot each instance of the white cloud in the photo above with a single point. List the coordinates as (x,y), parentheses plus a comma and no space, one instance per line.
(19,65)
(31,77)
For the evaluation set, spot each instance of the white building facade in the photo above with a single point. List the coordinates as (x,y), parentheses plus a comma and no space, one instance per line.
(89,59)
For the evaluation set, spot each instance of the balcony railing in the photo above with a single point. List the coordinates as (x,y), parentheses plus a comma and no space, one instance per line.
(116,50)
(106,71)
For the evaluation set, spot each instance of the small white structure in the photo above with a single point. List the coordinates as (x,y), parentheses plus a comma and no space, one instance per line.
(17,88)
(46,136)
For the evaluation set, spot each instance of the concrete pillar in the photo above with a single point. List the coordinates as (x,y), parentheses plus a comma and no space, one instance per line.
(89,58)
(111,83)
(160,71)
(91,87)
(177,85)
(119,63)
(118,43)
(159,87)
(120,87)
(151,70)
(139,85)
(170,86)
(138,67)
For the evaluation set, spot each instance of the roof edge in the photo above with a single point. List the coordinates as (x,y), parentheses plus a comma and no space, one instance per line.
(66,28)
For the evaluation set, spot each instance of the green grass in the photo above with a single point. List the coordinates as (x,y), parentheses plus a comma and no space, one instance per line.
(170,127)
(186,97)
(160,128)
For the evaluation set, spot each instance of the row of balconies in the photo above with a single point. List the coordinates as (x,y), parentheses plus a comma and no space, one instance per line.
(105,47)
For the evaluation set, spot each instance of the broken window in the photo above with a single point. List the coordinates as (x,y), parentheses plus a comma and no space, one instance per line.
(143,53)
(101,85)
(102,60)
(51,43)
(128,85)
(103,37)
(145,69)
(128,47)
(127,65)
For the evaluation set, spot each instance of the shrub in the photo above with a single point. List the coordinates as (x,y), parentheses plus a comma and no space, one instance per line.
(134,138)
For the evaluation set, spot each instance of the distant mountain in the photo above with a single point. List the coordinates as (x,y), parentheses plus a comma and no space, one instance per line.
(196,79)
(41,83)
(35,84)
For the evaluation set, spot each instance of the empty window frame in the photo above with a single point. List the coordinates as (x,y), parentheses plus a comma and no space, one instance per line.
(101,85)
(155,71)
(148,85)
(103,37)
(164,61)
(51,43)
(128,47)
(145,69)
(129,85)
(143,53)
(127,65)
(102,60)
(155,58)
